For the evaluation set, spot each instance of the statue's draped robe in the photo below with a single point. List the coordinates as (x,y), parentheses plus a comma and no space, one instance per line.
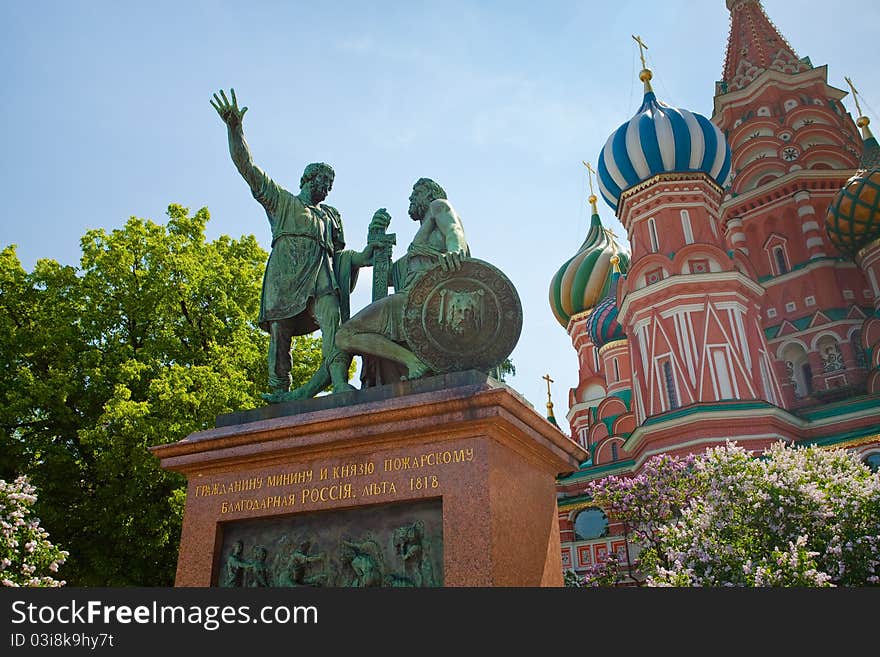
(305,238)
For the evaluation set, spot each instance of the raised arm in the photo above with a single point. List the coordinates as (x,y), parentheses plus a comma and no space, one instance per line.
(261,185)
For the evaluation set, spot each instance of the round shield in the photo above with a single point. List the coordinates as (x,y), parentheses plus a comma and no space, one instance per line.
(469,318)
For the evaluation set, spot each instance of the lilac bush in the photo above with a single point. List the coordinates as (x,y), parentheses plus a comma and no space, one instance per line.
(27,558)
(647,502)
(603,573)
(793,517)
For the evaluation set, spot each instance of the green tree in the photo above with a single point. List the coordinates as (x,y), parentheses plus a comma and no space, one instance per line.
(149,340)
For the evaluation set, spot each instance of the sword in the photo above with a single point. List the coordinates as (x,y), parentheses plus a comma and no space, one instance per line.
(381,258)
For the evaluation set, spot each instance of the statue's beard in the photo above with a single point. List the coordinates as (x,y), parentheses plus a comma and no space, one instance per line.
(417,211)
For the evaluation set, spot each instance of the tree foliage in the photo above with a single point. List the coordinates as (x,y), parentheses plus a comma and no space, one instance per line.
(150,339)
(793,517)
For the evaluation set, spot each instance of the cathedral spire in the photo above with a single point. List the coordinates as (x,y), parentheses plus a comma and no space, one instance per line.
(755,45)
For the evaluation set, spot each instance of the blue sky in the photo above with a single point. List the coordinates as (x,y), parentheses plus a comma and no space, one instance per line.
(105,115)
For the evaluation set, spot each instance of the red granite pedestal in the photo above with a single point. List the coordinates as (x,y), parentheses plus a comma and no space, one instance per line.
(465,441)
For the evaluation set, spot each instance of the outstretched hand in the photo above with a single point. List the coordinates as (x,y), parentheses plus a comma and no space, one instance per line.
(227,110)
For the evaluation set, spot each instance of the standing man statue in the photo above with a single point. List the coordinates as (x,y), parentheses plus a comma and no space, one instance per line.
(376,332)
(308,276)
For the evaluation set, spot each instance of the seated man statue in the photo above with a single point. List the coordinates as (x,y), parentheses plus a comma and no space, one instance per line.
(376,332)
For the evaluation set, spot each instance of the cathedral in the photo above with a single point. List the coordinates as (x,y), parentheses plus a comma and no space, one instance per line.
(744,303)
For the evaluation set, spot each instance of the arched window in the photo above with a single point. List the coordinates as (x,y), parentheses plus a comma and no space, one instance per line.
(616,370)
(781,262)
(652,231)
(669,382)
(614,455)
(873,461)
(584,435)
(686,227)
(798,370)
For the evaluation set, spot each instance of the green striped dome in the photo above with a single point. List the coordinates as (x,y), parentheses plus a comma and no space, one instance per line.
(584,279)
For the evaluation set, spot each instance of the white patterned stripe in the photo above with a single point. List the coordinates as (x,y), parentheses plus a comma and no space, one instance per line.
(634,150)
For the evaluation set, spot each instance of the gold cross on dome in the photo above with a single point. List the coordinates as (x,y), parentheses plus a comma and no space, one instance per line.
(591,172)
(547,378)
(855,94)
(642,49)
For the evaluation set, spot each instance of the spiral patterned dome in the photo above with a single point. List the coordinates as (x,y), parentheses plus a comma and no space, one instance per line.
(659,139)
(602,323)
(585,277)
(853,218)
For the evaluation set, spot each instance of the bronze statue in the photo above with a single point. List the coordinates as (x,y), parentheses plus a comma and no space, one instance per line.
(376,332)
(309,275)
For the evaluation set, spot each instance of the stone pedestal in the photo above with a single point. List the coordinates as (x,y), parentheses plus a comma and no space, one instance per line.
(462,457)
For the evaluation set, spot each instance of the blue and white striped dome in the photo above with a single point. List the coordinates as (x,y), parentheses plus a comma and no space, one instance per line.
(661,139)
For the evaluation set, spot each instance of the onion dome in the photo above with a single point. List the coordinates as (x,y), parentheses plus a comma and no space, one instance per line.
(602,323)
(660,139)
(585,277)
(853,218)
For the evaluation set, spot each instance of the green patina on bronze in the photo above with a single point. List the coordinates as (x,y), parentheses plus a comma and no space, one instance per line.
(309,277)
(309,274)
(396,545)
(422,330)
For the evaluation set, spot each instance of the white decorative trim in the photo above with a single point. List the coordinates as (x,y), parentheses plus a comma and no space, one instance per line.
(804,210)
(809,225)
(814,241)
(782,200)
(794,337)
(730,305)
(675,280)
(689,308)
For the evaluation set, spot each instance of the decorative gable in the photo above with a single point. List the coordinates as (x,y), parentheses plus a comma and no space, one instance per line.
(855,313)
(785,328)
(819,319)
